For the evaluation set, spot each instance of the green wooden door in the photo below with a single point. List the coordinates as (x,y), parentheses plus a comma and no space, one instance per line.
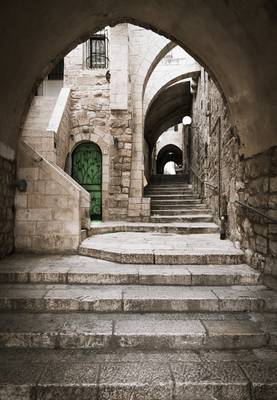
(87,171)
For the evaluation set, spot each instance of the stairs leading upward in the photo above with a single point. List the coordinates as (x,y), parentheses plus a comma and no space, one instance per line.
(35,132)
(173,200)
(150,311)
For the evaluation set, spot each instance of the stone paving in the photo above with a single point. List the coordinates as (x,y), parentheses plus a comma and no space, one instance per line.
(160,248)
(189,375)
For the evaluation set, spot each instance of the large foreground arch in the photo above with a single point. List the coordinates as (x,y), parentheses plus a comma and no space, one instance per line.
(236,41)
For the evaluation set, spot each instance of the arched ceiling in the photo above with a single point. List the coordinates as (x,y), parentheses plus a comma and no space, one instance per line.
(235,40)
(167,110)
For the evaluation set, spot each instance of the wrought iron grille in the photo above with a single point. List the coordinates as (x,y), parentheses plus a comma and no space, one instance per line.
(97,51)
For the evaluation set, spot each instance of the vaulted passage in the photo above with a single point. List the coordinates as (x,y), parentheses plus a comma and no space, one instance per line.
(138,211)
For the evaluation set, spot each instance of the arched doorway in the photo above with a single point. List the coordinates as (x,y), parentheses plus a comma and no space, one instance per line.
(87,171)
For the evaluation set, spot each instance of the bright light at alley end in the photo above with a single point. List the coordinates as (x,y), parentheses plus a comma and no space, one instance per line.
(186,120)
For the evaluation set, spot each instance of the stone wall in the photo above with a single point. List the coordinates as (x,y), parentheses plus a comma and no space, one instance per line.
(92,119)
(216,158)
(98,115)
(7,191)
(52,211)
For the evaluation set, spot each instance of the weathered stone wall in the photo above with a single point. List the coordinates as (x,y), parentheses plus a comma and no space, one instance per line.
(92,119)
(51,212)
(7,192)
(217,160)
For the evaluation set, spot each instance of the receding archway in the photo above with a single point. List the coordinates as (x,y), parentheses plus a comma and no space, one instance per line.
(168,153)
(167,110)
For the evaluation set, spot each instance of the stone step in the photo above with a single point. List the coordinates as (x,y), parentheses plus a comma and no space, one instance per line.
(146,332)
(169,202)
(174,197)
(161,248)
(181,211)
(183,375)
(84,270)
(38,124)
(197,207)
(169,191)
(176,186)
(181,218)
(181,228)
(135,298)
(38,133)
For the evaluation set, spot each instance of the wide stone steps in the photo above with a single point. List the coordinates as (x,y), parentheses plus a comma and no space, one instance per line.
(159,248)
(135,298)
(82,270)
(181,228)
(98,375)
(146,332)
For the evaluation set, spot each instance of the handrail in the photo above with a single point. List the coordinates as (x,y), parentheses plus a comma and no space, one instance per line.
(202,180)
(244,205)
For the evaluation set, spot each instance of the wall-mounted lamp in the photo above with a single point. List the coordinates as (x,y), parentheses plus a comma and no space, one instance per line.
(115,140)
(21,185)
(187,120)
(108,76)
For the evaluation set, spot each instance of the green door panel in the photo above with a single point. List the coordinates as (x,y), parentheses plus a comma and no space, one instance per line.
(87,171)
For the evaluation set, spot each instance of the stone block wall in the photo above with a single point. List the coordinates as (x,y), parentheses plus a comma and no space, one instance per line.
(92,119)
(7,191)
(50,213)
(216,158)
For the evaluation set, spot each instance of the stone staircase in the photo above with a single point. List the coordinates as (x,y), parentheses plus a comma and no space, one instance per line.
(146,311)
(173,200)
(35,128)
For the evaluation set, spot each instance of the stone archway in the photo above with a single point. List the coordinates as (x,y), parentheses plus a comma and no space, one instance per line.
(168,153)
(167,110)
(249,39)
(244,32)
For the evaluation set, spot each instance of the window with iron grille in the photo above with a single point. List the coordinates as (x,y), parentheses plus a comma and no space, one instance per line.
(57,72)
(97,51)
